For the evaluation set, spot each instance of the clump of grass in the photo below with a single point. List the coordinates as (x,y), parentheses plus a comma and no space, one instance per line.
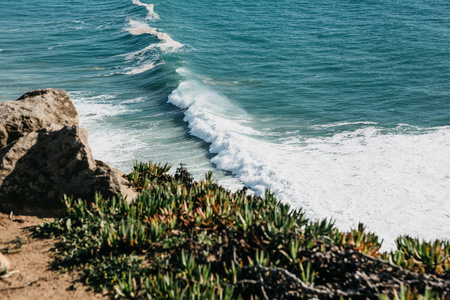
(185,239)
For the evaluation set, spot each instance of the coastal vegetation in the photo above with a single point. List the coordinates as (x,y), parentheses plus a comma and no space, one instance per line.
(183,239)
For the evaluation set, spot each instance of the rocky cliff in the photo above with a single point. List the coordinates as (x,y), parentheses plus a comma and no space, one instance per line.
(44,154)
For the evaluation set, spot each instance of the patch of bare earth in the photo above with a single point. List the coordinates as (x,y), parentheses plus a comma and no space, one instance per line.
(30,276)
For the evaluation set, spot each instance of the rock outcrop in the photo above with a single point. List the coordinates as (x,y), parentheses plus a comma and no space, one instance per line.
(33,111)
(45,155)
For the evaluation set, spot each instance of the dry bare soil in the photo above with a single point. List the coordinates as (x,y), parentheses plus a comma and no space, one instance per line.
(30,276)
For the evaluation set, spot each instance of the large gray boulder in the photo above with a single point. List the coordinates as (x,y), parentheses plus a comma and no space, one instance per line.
(38,167)
(33,111)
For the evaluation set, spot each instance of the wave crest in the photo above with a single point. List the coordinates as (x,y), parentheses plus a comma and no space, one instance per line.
(396,183)
(151,13)
(167,44)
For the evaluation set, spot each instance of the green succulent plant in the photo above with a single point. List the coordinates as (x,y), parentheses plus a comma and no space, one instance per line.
(183,239)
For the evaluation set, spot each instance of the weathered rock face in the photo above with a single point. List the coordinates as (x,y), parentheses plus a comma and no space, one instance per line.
(37,167)
(33,111)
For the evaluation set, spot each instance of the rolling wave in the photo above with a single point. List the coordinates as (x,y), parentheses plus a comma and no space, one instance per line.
(396,183)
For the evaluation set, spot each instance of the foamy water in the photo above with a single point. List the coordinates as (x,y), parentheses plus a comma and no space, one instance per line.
(152,16)
(144,67)
(395,183)
(166,44)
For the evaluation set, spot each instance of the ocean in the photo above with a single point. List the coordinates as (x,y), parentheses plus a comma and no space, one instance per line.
(339,107)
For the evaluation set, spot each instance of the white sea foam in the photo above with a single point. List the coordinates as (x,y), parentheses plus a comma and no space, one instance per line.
(117,145)
(152,15)
(123,143)
(395,183)
(135,100)
(143,61)
(167,44)
(93,108)
(141,68)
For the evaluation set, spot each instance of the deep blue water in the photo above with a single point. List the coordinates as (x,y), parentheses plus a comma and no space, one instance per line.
(340,107)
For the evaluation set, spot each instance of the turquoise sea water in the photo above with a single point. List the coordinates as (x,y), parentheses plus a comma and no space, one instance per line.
(339,107)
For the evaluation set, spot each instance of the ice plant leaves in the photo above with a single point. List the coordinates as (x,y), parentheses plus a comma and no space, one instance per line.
(196,240)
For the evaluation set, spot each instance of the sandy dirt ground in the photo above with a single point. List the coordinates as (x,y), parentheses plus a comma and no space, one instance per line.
(30,276)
